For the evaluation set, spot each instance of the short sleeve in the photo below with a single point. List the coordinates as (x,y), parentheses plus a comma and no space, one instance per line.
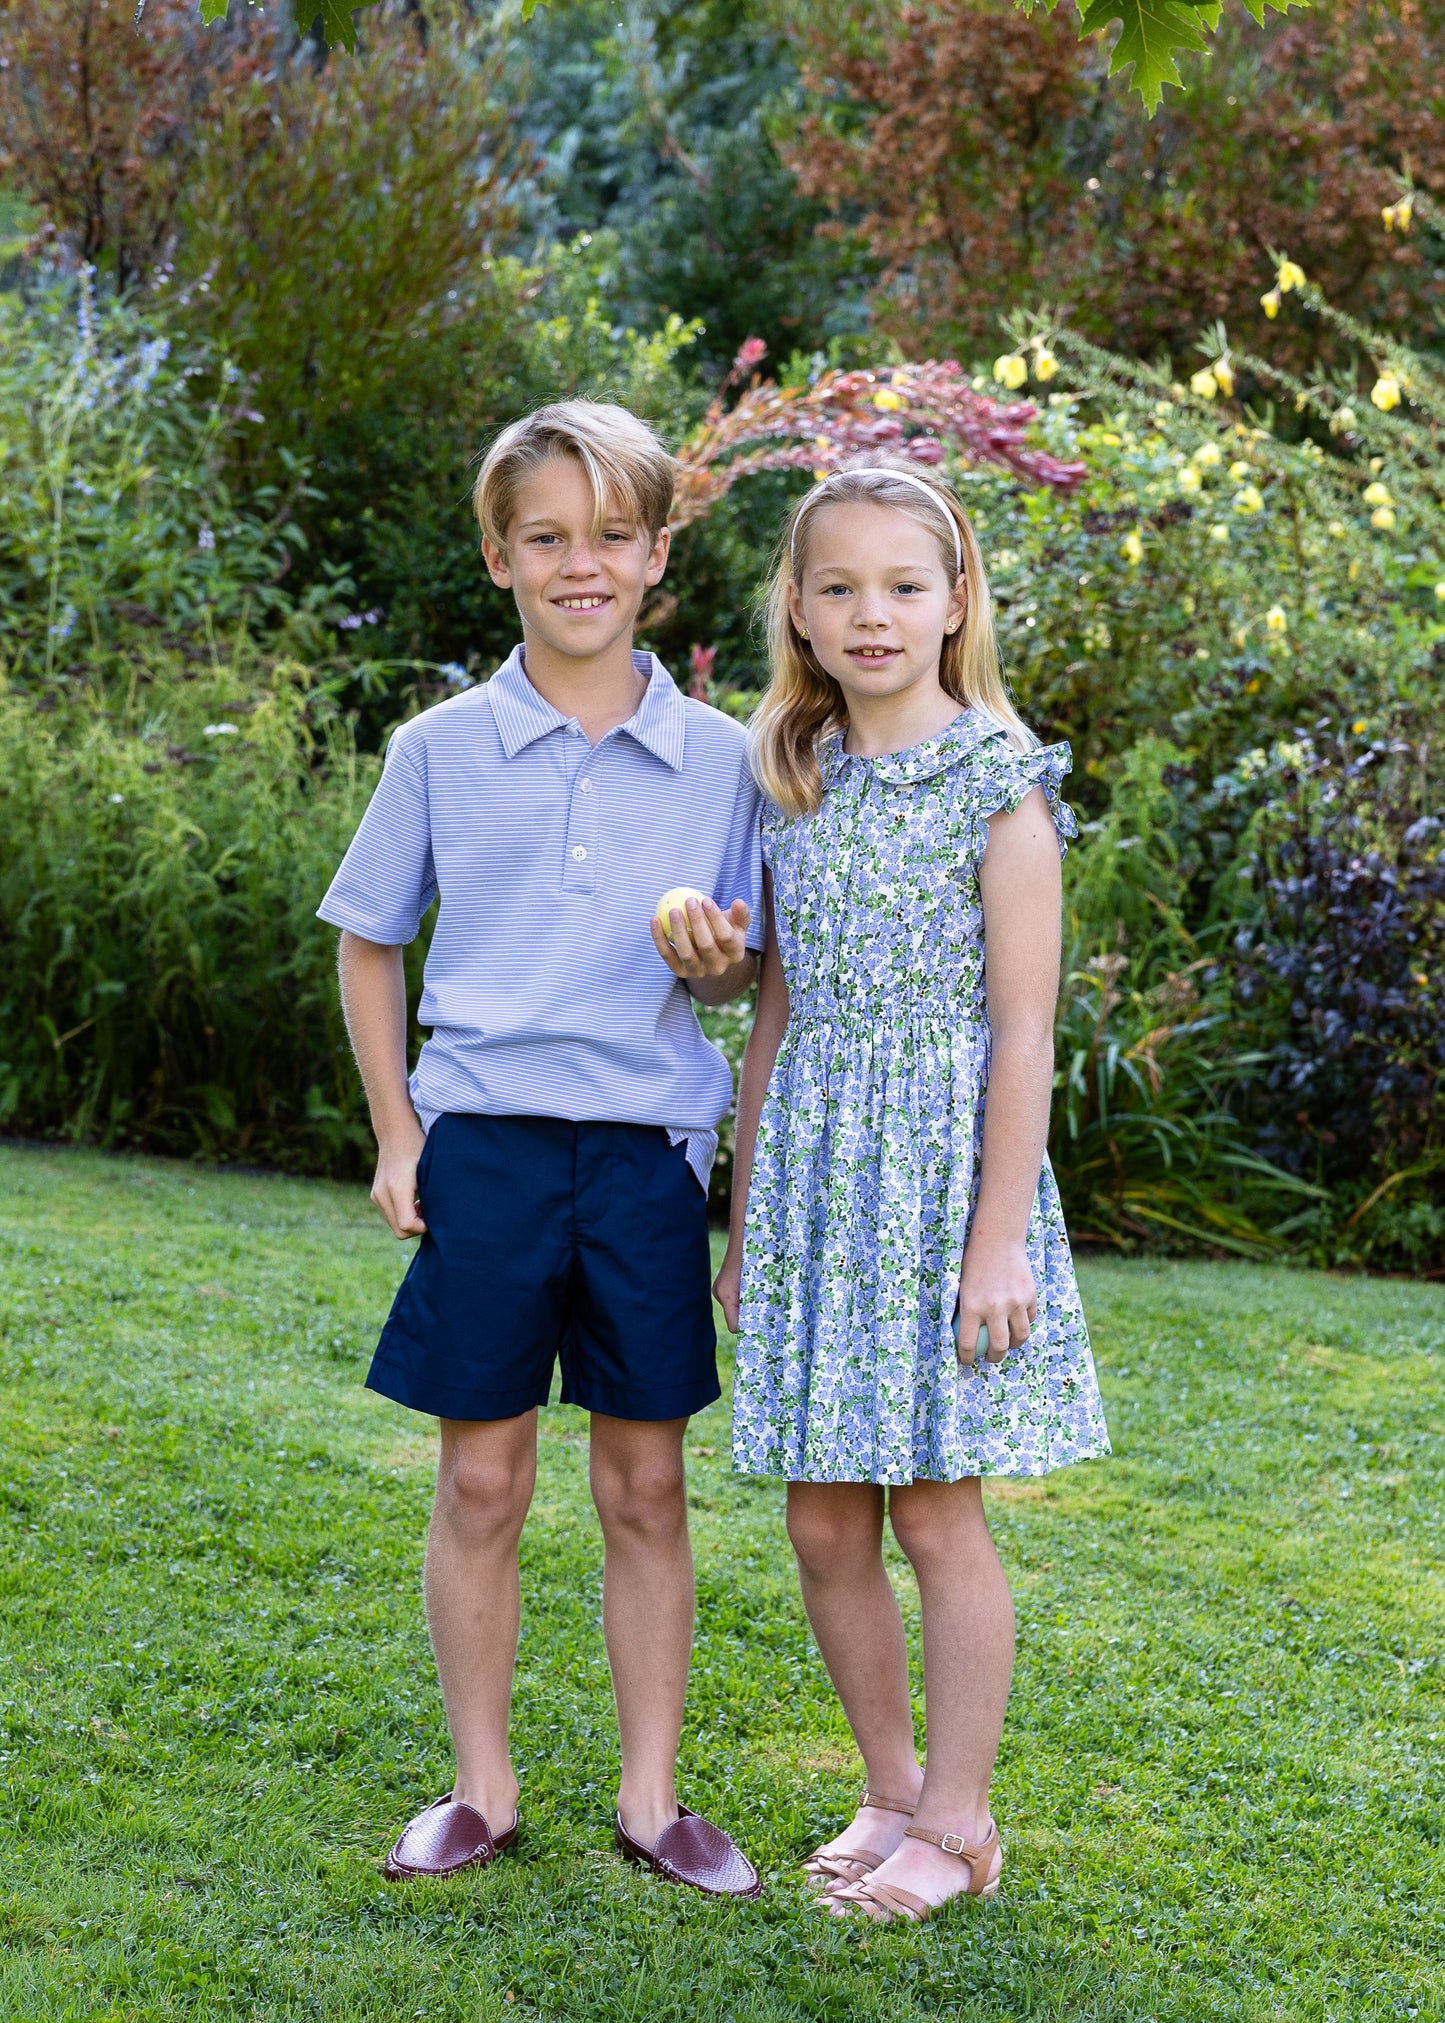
(1002,776)
(741,873)
(387,879)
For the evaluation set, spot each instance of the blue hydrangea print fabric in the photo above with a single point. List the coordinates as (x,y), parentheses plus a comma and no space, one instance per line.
(870,1138)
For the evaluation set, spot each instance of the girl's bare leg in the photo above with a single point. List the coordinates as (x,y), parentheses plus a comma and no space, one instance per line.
(836,1529)
(968,1650)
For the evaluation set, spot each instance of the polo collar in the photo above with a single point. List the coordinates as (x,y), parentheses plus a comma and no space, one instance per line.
(919,762)
(522,715)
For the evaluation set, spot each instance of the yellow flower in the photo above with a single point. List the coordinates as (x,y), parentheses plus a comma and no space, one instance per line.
(1249,500)
(1239,471)
(819,474)
(1385,392)
(1132,548)
(888,400)
(1377,495)
(1270,304)
(1208,453)
(1204,383)
(822,443)
(1383,517)
(1289,276)
(1338,529)
(1189,479)
(1224,374)
(1440,592)
(1399,214)
(1250,687)
(1045,364)
(1011,370)
(1276,619)
(1343,418)
(1219,531)
(1354,571)
(1357,727)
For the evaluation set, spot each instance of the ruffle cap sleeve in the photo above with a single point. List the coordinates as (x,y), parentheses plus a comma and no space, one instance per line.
(1002,776)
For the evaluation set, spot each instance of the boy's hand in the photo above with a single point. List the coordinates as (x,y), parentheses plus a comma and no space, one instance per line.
(705,940)
(394,1188)
(995,1290)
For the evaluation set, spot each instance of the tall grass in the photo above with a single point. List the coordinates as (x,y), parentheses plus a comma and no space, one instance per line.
(167,984)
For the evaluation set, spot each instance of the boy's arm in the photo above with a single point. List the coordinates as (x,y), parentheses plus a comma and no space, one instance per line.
(769,1025)
(373,998)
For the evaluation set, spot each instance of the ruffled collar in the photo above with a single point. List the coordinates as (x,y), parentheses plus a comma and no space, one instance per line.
(919,762)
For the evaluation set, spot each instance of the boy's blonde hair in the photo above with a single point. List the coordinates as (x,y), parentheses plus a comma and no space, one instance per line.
(629,469)
(802,703)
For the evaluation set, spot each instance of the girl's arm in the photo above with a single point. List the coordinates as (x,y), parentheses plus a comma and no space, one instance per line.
(373,997)
(769,1024)
(1022,891)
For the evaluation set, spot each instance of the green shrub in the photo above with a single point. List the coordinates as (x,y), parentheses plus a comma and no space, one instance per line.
(116,509)
(161,858)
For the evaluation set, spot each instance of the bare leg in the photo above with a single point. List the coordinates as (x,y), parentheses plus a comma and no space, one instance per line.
(968,1649)
(484,1486)
(647,1601)
(836,1529)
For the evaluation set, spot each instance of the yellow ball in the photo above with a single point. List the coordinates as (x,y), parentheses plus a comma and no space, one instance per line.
(676,898)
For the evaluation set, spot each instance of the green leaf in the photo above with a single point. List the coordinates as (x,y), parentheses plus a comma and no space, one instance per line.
(334,16)
(1150,31)
(213,10)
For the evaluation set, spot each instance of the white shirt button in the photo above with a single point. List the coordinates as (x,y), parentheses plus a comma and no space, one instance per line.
(578,854)
(584,787)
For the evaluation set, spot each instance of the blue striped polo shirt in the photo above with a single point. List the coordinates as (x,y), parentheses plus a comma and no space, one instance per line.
(543,991)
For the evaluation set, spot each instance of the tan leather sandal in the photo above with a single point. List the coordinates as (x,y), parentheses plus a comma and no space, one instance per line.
(830,1871)
(883,1902)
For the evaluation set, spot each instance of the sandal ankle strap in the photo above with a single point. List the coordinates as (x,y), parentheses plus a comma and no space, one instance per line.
(954,1843)
(872,1799)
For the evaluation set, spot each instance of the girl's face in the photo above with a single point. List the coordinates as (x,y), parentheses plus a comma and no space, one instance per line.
(875,599)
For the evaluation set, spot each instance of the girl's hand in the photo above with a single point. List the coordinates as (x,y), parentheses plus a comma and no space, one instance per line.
(727,1287)
(705,940)
(394,1188)
(995,1290)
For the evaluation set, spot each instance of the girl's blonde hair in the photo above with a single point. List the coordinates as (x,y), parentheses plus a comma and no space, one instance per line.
(802,703)
(628,467)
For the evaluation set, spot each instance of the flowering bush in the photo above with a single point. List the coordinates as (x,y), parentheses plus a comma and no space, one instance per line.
(115,508)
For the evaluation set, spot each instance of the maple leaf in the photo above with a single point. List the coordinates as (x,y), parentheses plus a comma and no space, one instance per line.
(1153,32)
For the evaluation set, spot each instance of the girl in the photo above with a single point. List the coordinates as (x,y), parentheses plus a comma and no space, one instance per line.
(909,1316)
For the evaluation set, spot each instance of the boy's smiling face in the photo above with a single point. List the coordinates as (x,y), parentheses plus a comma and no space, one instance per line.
(578,591)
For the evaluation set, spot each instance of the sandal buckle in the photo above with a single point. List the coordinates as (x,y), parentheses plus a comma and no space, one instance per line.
(959,1843)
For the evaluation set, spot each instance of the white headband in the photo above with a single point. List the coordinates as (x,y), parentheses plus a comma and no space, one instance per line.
(904,478)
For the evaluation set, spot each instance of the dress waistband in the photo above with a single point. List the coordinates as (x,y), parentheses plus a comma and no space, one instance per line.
(886,1011)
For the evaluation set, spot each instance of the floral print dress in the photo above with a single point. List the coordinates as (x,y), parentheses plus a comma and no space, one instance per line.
(870,1138)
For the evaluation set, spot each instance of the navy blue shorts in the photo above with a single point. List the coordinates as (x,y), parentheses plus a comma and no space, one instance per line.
(544,1239)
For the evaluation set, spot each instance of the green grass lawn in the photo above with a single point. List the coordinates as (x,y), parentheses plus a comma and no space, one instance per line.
(1220,1789)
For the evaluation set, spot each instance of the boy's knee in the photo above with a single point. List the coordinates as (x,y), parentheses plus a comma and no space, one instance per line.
(484,1496)
(644,1498)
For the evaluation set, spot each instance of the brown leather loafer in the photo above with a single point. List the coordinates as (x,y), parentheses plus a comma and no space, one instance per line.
(448,1837)
(694,1852)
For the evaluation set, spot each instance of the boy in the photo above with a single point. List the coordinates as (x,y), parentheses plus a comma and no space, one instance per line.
(552,1146)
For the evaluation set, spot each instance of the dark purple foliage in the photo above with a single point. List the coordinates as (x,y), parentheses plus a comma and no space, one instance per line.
(1343,965)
